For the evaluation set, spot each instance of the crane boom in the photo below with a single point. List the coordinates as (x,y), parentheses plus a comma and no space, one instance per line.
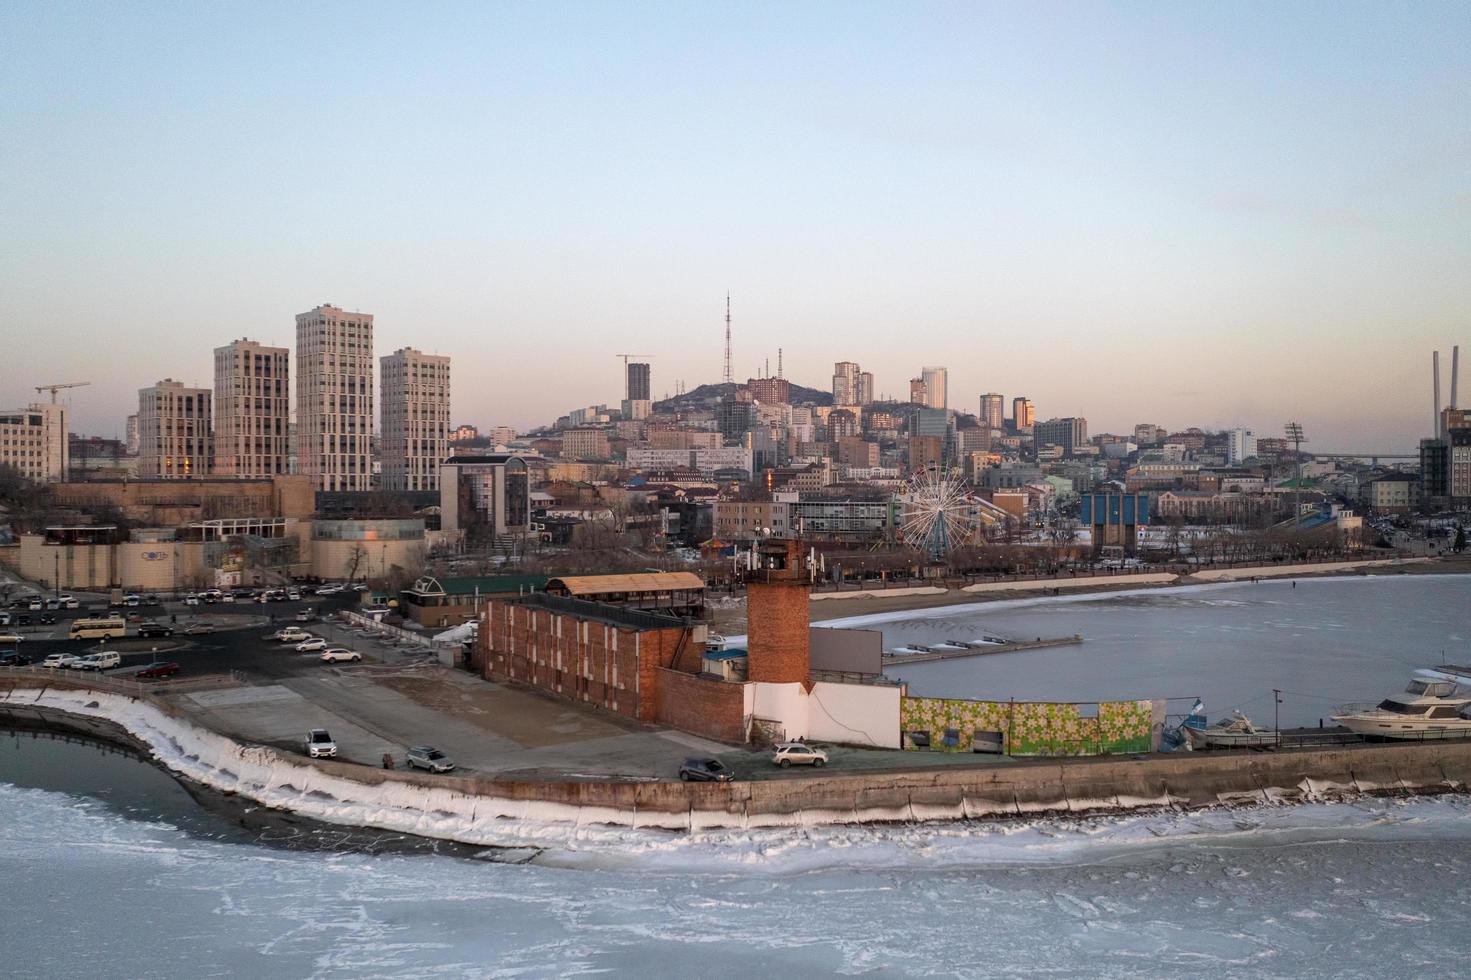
(55,388)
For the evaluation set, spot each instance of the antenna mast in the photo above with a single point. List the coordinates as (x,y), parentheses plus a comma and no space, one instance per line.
(728,378)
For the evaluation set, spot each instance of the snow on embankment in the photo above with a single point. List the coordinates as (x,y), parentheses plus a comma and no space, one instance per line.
(267,777)
(517,814)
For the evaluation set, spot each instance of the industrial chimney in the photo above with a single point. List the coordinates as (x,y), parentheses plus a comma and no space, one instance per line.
(1455,371)
(1435,375)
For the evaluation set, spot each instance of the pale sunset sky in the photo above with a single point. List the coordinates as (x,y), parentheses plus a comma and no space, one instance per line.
(1181,213)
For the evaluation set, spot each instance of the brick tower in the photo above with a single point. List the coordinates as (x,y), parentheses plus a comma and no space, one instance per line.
(777,613)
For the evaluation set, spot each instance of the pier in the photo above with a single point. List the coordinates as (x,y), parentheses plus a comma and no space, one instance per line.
(926,654)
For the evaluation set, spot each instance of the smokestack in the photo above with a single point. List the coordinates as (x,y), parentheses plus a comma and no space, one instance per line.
(1455,371)
(1435,374)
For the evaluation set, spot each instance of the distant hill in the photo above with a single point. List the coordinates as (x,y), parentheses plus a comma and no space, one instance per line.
(708,396)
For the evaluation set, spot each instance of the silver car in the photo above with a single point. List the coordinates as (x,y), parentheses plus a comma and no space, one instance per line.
(789,754)
(428,757)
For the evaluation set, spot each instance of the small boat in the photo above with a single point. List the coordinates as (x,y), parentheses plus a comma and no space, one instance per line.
(1433,707)
(1235,732)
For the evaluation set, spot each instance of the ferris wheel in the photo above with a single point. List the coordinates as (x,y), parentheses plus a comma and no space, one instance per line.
(938,513)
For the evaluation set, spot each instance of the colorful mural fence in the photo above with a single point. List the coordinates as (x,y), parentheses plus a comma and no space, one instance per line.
(1030,727)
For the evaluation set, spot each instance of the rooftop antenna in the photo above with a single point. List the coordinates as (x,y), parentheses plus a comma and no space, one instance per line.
(728,377)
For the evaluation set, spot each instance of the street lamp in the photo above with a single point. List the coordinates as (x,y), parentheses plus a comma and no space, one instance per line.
(1277,716)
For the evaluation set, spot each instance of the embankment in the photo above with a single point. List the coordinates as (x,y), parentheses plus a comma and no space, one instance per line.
(495,813)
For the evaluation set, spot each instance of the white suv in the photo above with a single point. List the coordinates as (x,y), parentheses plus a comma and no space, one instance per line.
(320,744)
(334,654)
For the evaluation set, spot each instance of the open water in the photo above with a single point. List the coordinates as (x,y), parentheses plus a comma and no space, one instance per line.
(112,870)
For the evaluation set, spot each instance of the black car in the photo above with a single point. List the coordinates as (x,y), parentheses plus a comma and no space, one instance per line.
(155,629)
(47,619)
(22,620)
(13,658)
(705,771)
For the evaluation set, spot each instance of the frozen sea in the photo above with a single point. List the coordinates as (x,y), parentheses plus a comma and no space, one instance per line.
(112,869)
(1323,642)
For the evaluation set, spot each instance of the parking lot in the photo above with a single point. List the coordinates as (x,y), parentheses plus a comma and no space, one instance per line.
(398,697)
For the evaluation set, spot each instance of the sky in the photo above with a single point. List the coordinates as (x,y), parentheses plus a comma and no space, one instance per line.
(1180,213)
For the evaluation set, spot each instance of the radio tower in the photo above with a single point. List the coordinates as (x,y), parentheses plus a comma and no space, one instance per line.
(728,378)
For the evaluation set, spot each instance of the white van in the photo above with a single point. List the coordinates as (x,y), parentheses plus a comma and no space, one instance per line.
(99,661)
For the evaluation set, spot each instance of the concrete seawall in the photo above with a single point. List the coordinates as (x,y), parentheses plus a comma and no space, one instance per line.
(422,803)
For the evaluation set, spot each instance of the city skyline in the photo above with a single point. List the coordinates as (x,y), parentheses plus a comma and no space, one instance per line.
(1258,233)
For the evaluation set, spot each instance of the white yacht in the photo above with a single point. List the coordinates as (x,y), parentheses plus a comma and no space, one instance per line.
(1433,706)
(1235,732)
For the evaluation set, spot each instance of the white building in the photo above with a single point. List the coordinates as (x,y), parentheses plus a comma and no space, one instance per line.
(252,410)
(1241,447)
(175,433)
(34,441)
(415,433)
(334,398)
(936,387)
(703,461)
(847,383)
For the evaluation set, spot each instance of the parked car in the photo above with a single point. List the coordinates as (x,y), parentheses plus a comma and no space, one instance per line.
(227,597)
(155,629)
(58,660)
(70,602)
(13,658)
(335,654)
(151,599)
(705,771)
(23,620)
(53,603)
(293,595)
(99,661)
(329,590)
(293,634)
(132,600)
(428,757)
(789,754)
(191,599)
(319,744)
(313,645)
(194,629)
(359,587)
(46,619)
(305,616)
(35,603)
(155,671)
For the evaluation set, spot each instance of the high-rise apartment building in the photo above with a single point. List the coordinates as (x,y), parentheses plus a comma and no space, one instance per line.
(1241,446)
(34,441)
(993,411)
(130,439)
(1068,434)
(846,376)
(917,392)
(865,388)
(334,398)
(252,410)
(1023,413)
(414,389)
(936,387)
(638,382)
(174,431)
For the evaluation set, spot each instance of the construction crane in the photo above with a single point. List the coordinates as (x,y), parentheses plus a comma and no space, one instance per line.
(55,388)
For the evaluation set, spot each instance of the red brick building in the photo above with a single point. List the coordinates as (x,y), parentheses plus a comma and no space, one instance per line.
(590,652)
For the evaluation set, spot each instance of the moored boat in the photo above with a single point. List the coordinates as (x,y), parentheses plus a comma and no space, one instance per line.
(1432,707)
(1235,732)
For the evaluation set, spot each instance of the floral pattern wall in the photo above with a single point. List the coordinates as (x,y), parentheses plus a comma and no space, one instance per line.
(1031,727)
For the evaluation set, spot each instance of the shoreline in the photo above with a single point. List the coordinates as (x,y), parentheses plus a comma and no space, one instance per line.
(490,813)
(865,604)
